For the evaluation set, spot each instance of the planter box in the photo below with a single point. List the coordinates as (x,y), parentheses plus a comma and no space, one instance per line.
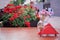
(1,24)
(34,23)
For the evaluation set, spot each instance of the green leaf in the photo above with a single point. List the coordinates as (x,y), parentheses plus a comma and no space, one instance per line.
(14,23)
(19,22)
(6,17)
(17,2)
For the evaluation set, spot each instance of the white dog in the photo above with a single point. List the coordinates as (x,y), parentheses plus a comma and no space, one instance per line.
(44,19)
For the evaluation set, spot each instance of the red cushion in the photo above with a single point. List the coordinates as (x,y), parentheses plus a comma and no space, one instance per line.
(48,29)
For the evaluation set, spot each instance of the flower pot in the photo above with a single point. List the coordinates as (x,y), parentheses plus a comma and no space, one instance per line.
(8,24)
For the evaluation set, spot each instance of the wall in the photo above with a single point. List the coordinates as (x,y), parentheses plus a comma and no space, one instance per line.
(55,4)
(3,3)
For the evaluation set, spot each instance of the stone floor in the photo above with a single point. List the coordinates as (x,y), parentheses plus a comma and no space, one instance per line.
(22,33)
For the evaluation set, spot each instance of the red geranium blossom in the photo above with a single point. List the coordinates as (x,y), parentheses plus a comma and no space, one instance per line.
(6,10)
(27,24)
(25,6)
(15,15)
(10,10)
(28,16)
(11,19)
(18,7)
(25,17)
(31,6)
(13,9)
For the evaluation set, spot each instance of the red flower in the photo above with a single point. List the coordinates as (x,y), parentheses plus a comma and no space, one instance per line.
(18,7)
(25,17)
(21,11)
(25,6)
(28,16)
(15,15)
(11,19)
(10,10)
(27,24)
(14,9)
(31,6)
(6,10)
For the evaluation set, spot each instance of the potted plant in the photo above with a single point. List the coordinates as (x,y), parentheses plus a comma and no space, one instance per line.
(19,15)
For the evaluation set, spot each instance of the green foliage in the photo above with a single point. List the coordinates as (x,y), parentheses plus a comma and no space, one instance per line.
(19,19)
(17,2)
(18,22)
(5,17)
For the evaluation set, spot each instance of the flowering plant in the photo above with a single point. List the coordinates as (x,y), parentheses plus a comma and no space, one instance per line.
(19,15)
